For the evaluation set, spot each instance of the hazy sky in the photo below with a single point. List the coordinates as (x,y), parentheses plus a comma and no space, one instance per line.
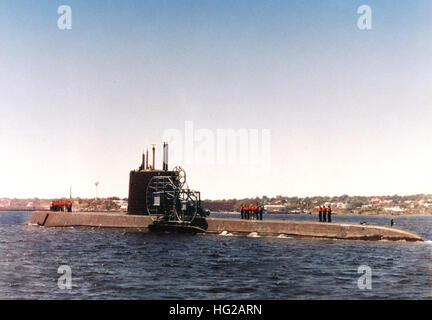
(349,110)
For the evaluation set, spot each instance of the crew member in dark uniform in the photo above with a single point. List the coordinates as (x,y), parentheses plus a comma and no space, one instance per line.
(247,212)
(260,212)
(324,213)
(320,213)
(329,212)
(256,212)
(242,211)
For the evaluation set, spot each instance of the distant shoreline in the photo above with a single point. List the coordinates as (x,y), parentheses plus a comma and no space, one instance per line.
(420,204)
(18,209)
(369,213)
(340,214)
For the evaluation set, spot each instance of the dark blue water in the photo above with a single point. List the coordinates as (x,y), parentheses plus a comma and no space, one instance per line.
(109,264)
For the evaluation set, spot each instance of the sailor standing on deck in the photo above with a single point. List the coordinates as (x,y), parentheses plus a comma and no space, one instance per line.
(260,212)
(324,209)
(256,212)
(242,211)
(329,212)
(247,212)
(320,213)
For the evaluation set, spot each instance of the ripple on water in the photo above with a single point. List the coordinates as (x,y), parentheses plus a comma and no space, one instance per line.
(125,265)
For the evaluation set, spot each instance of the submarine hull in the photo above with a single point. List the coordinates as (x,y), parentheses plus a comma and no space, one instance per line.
(303,229)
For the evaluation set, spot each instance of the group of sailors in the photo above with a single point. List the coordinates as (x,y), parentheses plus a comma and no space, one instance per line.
(251,212)
(324,213)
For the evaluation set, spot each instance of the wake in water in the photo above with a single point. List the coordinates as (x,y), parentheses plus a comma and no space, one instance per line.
(226,234)
(253,235)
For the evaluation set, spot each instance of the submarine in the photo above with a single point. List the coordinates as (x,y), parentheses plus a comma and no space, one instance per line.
(160,200)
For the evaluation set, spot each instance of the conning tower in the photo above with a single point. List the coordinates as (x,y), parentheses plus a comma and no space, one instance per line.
(163,194)
(139,180)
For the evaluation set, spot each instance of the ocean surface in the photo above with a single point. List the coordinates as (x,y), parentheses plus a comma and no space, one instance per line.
(113,264)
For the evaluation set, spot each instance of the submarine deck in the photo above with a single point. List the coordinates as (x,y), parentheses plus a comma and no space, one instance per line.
(304,229)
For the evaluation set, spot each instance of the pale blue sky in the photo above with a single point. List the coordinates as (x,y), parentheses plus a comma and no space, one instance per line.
(349,110)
